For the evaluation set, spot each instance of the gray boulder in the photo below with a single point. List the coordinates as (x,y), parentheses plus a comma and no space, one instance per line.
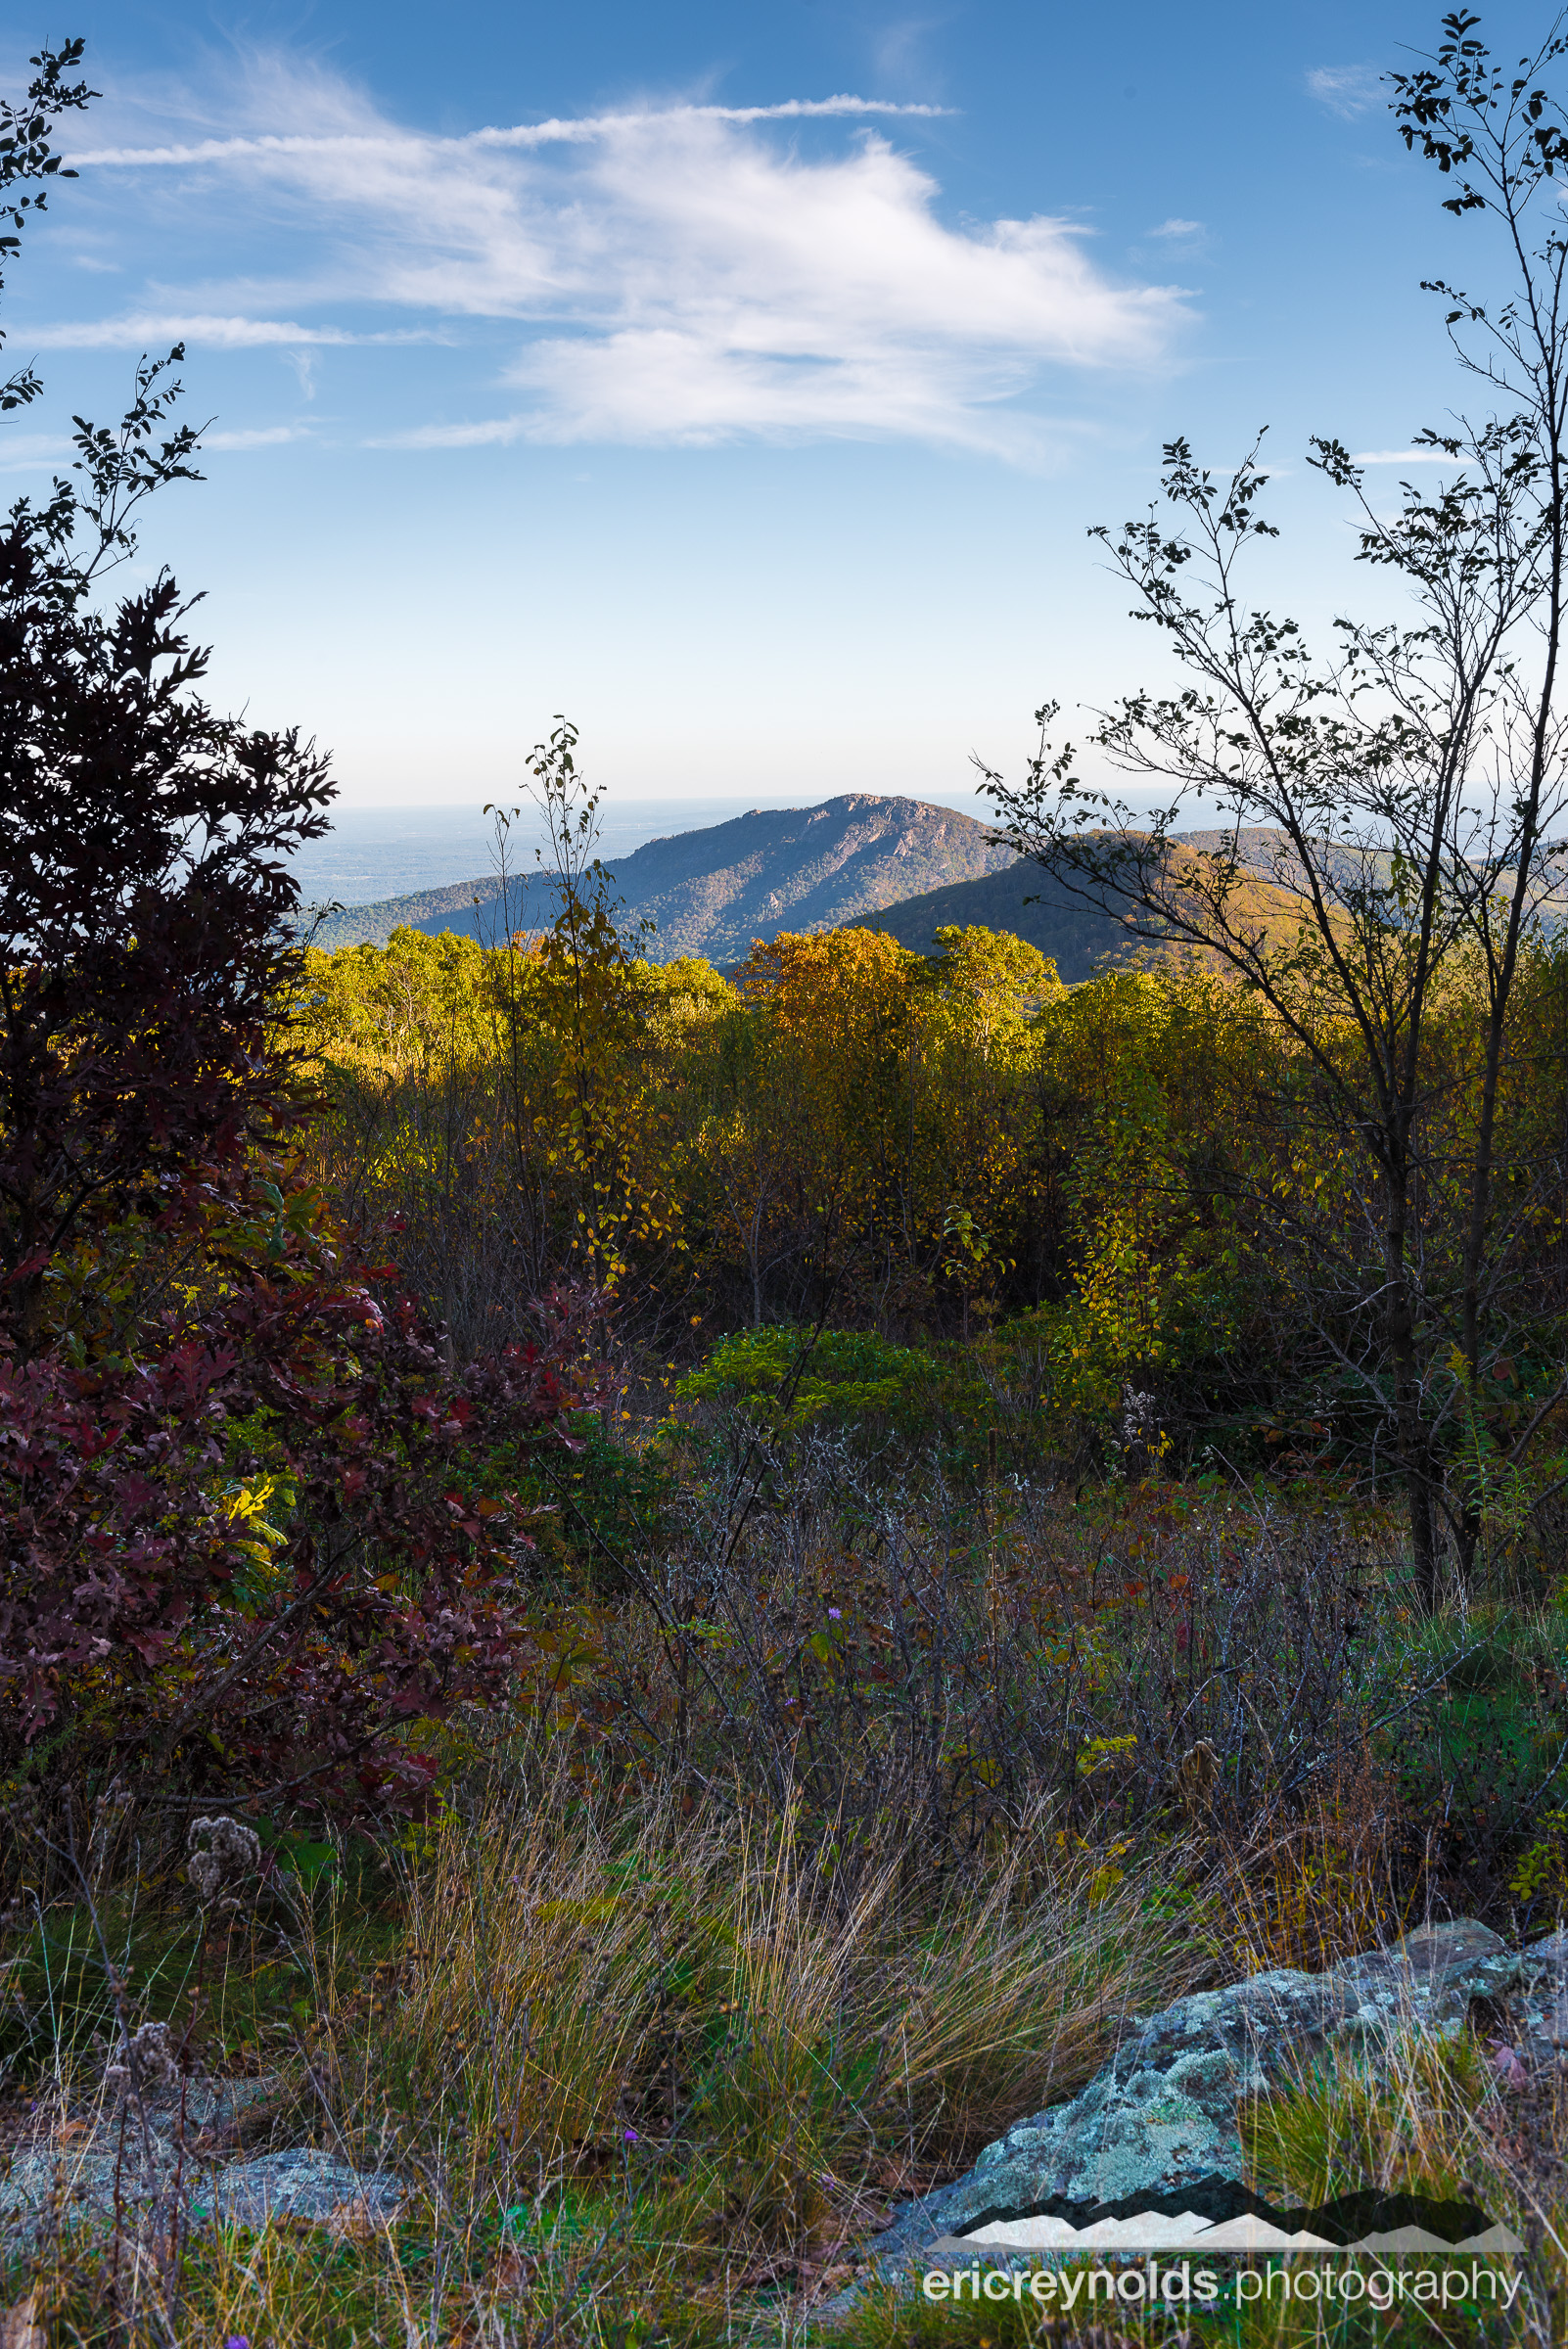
(1161,2114)
(299,2184)
(76,2178)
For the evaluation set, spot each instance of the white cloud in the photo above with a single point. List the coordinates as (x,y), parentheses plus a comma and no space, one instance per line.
(143,330)
(559,130)
(1178,228)
(33,452)
(270,436)
(680,274)
(1401,456)
(1347,90)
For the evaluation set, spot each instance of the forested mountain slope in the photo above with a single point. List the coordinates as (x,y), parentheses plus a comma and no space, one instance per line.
(1080,938)
(715,890)
(1021,899)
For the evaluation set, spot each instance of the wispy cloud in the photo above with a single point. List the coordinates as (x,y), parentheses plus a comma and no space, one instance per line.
(143,330)
(559,130)
(679,273)
(900,50)
(270,436)
(33,452)
(1178,228)
(1401,456)
(1347,90)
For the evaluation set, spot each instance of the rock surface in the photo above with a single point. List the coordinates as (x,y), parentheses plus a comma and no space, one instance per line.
(1162,2113)
(300,2184)
(73,2177)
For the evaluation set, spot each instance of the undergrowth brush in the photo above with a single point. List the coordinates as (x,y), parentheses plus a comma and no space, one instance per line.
(855,1830)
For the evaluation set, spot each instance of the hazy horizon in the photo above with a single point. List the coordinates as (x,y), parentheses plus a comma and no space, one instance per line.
(402,848)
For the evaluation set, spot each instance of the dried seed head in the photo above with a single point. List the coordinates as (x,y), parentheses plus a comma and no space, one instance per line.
(151,2061)
(220,1854)
(1197,1774)
(107,1815)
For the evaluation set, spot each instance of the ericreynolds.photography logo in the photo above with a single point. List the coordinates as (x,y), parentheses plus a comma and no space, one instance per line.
(1376,2248)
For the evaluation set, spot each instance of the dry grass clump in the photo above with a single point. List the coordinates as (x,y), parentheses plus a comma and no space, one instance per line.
(526,1986)
(640,2067)
(1013,1998)
(1415,2123)
(1326,1888)
(1435,2117)
(585,1997)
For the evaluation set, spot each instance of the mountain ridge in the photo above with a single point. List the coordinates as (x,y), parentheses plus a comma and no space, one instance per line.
(901,865)
(1020,897)
(714,890)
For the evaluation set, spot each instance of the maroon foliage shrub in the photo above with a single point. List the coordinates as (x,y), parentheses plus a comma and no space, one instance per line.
(143,898)
(253,1525)
(161,1628)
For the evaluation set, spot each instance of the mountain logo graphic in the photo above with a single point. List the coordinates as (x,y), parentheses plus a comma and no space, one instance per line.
(1217,2216)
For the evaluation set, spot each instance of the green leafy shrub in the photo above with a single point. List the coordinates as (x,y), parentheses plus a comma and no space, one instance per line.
(1476,1729)
(785,1378)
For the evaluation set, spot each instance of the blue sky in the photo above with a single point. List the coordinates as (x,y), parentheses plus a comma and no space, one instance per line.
(588,359)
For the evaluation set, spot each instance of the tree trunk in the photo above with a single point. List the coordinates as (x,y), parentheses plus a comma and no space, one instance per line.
(1415,1456)
(1423,1534)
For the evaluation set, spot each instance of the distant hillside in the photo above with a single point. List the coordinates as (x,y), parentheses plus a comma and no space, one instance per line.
(1079,939)
(1077,936)
(1267,852)
(714,890)
(433,909)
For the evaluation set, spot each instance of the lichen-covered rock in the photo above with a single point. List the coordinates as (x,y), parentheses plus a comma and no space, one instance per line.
(1162,2113)
(1537,2003)
(302,2182)
(103,2167)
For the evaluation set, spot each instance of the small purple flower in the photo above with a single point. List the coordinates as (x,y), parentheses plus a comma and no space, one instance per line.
(238,2340)
(835,1614)
(630,2136)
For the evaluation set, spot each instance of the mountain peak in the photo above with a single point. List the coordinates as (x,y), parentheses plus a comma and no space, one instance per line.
(713,892)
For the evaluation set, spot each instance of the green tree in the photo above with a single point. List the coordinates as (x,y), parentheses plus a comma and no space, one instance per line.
(1399,794)
(571,1006)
